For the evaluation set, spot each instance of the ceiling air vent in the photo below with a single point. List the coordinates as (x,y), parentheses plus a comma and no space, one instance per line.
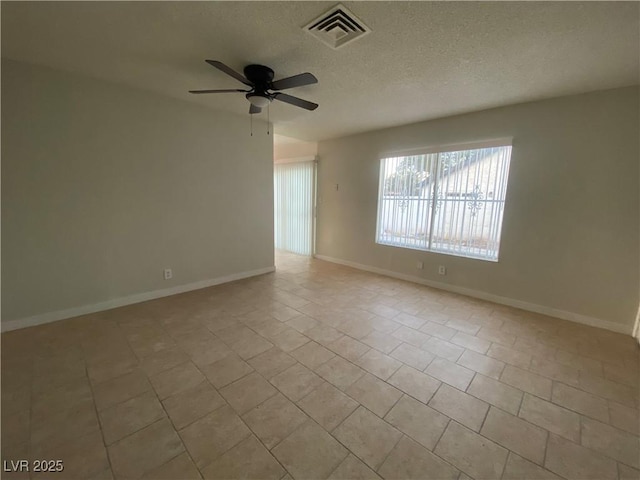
(337,27)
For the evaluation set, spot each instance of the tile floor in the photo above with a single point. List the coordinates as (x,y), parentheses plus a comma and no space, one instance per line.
(321,371)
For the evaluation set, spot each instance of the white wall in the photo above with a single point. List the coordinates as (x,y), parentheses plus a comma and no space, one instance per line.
(103,186)
(570,236)
(287,148)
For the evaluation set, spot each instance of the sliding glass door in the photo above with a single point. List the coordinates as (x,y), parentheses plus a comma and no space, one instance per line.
(294,198)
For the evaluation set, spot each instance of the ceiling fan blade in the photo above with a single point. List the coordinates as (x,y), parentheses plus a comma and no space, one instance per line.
(298,102)
(229,71)
(217,91)
(253,109)
(295,81)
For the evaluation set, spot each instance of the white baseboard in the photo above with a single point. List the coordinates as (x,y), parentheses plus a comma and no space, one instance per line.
(531,307)
(49,317)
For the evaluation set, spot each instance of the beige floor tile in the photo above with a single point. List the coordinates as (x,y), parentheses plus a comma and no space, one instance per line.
(451,373)
(148,345)
(411,336)
(384,311)
(310,452)
(424,424)
(354,327)
(496,393)
(628,473)
(348,348)
(119,389)
(323,334)
(441,348)
(496,336)
(518,468)
(604,388)
(312,355)
(410,321)
(414,383)
(208,352)
(374,394)
(340,372)
(289,339)
(510,356)
(477,362)
(302,323)
(473,454)
(248,392)
(272,362)
(608,440)
(616,373)
(527,381)
(83,457)
(379,364)
(408,460)
(178,467)
(579,362)
(296,381)
(471,342)
(352,468)
(130,416)
(438,330)
(551,417)
(208,438)
(412,356)
(367,436)
(383,325)
(226,371)
(381,341)
(111,367)
(464,408)
(327,405)
(176,379)
(59,427)
(274,419)
(519,436)
(145,450)
(250,346)
(232,334)
(15,427)
(556,371)
(163,360)
(248,459)
(579,401)
(625,418)
(467,326)
(575,462)
(267,328)
(189,405)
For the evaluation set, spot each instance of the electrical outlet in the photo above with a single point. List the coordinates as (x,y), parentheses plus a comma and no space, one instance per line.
(442,270)
(419,265)
(168,274)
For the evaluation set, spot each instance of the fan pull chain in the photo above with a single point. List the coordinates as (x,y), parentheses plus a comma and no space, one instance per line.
(251,122)
(268,118)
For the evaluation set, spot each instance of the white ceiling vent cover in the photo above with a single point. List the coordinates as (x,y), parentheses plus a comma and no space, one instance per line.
(337,27)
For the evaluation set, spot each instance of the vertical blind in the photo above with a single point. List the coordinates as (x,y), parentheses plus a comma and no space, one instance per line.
(448,202)
(294,185)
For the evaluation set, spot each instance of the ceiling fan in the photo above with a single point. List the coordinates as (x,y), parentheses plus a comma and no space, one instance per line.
(260,80)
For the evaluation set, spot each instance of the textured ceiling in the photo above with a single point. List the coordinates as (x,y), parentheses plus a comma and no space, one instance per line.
(422,60)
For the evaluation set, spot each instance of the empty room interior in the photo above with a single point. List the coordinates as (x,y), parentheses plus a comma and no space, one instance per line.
(320,240)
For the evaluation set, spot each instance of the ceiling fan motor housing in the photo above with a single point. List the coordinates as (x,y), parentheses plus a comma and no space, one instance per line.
(259,75)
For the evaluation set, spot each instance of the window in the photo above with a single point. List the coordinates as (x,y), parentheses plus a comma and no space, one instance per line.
(448,202)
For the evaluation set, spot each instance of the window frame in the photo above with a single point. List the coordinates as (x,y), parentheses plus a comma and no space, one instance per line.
(430,150)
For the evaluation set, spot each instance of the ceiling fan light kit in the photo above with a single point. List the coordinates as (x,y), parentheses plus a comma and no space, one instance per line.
(262,89)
